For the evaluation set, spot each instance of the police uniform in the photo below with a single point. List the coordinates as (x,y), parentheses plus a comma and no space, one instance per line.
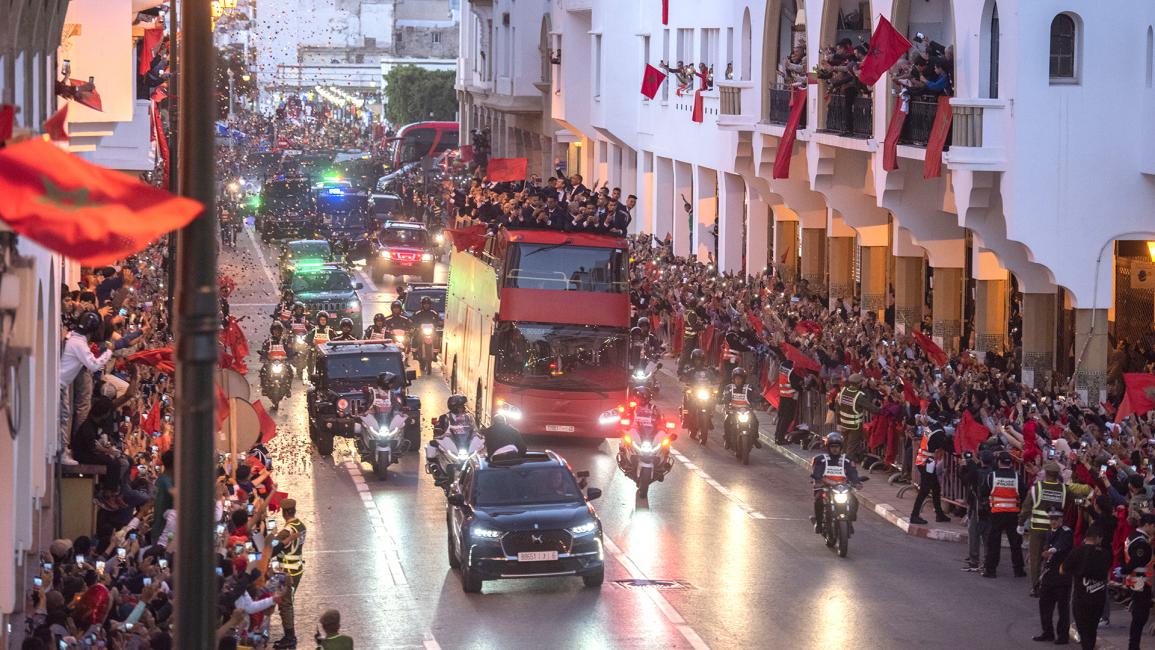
(1055,587)
(1137,578)
(292,543)
(826,469)
(738,397)
(317,337)
(929,453)
(1004,487)
(691,327)
(1045,495)
(789,383)
(851,407)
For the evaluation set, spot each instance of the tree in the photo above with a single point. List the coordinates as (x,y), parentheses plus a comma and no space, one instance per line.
(415,94)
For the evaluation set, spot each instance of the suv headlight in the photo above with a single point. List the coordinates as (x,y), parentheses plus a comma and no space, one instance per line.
(354,304)
(485,533)
(584,529)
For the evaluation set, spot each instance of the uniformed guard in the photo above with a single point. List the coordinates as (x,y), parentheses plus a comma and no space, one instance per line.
(1137,559)
(1004,487)
(852,405)
(1045,495)
(290,541)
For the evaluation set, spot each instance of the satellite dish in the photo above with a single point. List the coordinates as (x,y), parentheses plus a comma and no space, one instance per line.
(240,430)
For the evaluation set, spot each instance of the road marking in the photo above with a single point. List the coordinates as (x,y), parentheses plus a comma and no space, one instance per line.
(264,262)
(431,643)
(655,596)
(748,509)
(367,280)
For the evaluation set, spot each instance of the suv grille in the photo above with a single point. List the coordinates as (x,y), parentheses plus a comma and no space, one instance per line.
(331,307)
(527,540)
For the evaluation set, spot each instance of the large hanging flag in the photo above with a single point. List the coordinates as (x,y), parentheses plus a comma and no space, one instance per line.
(932,166)
(87,212)
(7,121)
(665,12)
(699,113)
(786,142)
(893,131)
(886,46)
(652,79)
(502,170)
(54,126)
(148,44)
(932,350)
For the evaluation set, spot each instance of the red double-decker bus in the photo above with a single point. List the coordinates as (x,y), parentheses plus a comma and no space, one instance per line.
(418,140)
(537,328)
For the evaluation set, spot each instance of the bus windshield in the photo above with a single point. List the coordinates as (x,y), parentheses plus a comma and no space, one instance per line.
(560,357)
(566,268)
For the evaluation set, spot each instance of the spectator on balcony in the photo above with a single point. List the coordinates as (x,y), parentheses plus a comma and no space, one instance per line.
(792,70)
(940,82)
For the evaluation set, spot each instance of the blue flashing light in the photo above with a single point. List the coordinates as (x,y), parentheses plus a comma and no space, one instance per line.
(336,190)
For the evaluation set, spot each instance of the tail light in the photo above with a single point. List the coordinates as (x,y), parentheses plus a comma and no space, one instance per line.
(625,422)
(621,409)
(670,425)
(633,405)
(665,442)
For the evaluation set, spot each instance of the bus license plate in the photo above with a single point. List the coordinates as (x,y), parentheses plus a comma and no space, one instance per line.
(561,428)
(537,556)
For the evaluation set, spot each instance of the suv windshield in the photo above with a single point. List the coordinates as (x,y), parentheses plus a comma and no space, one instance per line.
(566,268)
(525,486)
(404,237)
(287,198)
(322,281)
(311,250)
(560,357)
(344,367)
(413,300)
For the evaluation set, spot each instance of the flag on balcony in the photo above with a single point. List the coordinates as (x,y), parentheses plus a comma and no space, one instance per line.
(73,207)
(7,121)
(54,126)
(665,12)
(699,108)
(786,142)
(893,131)
(502,170)
(887,44)
(148,44)
(932,166)
(652,80)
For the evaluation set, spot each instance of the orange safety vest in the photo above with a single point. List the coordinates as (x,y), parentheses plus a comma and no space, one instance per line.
(923,453)
(1004,493)
(785,390)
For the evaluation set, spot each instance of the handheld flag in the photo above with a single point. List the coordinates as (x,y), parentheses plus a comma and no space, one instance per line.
(652,80)
(886,46)
(507,169)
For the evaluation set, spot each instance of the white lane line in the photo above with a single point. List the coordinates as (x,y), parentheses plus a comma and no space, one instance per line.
(264,262)
(746,508)
(367,280)
(656,597)
(431,643)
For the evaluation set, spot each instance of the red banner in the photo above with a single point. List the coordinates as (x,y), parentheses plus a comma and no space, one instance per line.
(970,433)
(268,425)
(786,142)
(887,45)
(932,350)
(652,79)
(501,170)
(471,238)
(802,361)
(665,12)
(699,108)
(893,131)
(148,44)
(932,166)
(7,121)
(159,358)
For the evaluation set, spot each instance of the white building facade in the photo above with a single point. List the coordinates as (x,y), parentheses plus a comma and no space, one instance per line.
(1042,211)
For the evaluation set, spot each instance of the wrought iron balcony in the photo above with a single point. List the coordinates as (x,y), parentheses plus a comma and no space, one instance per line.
(919,123)
(779,100)
(853,117)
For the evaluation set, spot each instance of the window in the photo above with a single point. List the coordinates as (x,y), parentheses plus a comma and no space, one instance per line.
(1150,55)
(436,36)
(709,45)
(597,66)
(1063,42)
(685,46)
(551,356)
(666,58)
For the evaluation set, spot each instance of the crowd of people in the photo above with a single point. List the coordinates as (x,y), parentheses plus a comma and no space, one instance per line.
(934,417)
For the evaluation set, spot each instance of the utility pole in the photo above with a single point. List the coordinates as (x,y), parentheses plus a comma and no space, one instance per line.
(196,336)
(173,145)
(231,95)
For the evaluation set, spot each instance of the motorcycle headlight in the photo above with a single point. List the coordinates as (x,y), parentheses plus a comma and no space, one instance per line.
(427,330)
(702,394)
(385,433)
(841,497)
(278,368)
(485,533)
(509,411)
(639,374)
(300,338)
(462,454)
(584,529)
(439,238)
(426,257)
(743,417)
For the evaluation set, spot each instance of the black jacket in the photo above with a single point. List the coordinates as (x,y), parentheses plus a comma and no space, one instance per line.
(1060,539)
(499,435)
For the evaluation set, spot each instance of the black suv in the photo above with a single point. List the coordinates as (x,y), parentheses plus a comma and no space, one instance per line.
(406,250)
(287,210)
(328,288)
(523,517)
(335,399)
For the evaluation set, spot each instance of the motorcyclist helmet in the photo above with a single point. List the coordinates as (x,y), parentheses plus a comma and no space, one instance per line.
(298,309)
(88,323)
(636,333)
(276,328)
(738,373)
(456,404)
(642,395)
(288,295)
(347,325)
(396,308)
(644,324)
(379,319)
(426,302)
(325,316)
(834,440)
(698,357)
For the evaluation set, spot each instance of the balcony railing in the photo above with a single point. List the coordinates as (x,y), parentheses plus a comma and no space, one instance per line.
(730,102)
(736,104)
(780,105)
(968,126)
(979,131)
(855,119)
(919,123)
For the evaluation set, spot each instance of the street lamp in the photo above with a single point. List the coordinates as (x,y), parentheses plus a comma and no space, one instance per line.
(1151,250)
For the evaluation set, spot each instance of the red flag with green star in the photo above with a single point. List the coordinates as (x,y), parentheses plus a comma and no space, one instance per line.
(87,212)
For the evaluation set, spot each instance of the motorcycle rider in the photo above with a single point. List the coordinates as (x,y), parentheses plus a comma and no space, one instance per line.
(426,315)
(377,331)
(284,309)
(318,336)
(739,395)
(644,345)
(832,467)
(456,416)
(346,332)
(697,374)
(397,320)
(693,323)
(502,434)
(646,412)
(278,343)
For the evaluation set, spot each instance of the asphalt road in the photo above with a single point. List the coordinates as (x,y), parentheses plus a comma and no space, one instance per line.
(745,566)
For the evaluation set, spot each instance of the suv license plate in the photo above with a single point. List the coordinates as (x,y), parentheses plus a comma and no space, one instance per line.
(537,556)
(559,427)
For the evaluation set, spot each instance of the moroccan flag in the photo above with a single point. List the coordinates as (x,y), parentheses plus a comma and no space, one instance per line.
(755,323)
(159,358)
(152,38)
(222,406)
(802,361)
(699,108)
(970,433)
(770,394)
(893,131)
(471,238)
(909,394)
(652,80)
(7,121)
(54,125)
(91,214)
(665,12)
(887,45)
(465,153)
(268,425)
(809,327)
(932,166)
(1139,396)
(933,352)
(151,421)
(786,142)
(507,169)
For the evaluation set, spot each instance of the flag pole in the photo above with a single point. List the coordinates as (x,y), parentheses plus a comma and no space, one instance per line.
(196,336)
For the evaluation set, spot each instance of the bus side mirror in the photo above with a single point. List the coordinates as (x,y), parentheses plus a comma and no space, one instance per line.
(358,285)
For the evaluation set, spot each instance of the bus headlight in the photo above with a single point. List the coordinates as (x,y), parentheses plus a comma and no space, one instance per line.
(510,411)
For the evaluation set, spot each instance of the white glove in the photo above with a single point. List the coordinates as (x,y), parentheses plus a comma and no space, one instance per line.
(1020,530)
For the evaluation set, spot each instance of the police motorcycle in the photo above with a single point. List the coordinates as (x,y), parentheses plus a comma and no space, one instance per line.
(381,440)
(740,424)
(455,439)
(425,347)
(644,455)
(644,364)
(276,378)
(698,400)
(837,493)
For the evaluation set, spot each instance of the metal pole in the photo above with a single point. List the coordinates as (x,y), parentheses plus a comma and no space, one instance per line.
(196,338)
(230,96)
(173,145)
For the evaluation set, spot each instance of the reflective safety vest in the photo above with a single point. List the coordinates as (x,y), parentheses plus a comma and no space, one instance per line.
(739,397)
(1137,579)
(277,352)
(1048,495)
(298,328)
(785,390)
(645,417)
(1004,491)
(286,314)
(924,454)
(850,417)
(320,337)
(835,471)
(376,335)
(292,557)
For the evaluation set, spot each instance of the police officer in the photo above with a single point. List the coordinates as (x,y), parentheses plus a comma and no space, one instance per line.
(692,325)
(318,336)
(698,376)
(1045,495)
(426,315)
(455,416)
(738,395)
(377,331)
(346,331)
(284,309)
(789,383)
(1136,580)
(397,320)
(278,346)
(832,467)
(1054,586)
(931,449)
(1004,489)
(974,479)
(1088,567)
(290,540)
(851,405)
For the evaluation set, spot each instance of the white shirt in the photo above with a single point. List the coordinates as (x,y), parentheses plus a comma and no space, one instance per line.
(77,355)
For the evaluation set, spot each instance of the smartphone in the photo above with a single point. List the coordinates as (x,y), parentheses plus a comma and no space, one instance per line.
(121,552)
(128,626)
(155,449)
(38,581)
(162,563)
(132,535)
(80,559)
(276,564)
(249,508)
(63,645)
(47,566)
(220,529)
(254,557)
(1102,469)
(147,581)
(238,549)
(271,523)
(220,572)
(248,546)
(100,566)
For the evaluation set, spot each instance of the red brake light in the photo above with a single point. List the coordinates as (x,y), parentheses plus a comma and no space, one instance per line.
(627,439)
(669,425)
(621,409)
(625,422)
(633,405)
(665,442)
